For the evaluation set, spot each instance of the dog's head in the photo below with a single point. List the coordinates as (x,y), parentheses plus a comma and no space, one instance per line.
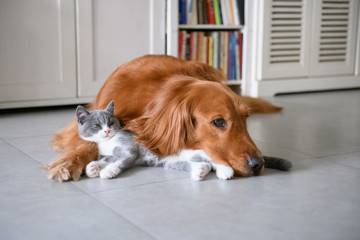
(192,114)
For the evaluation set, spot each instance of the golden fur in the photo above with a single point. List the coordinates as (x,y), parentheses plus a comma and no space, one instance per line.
(170,105)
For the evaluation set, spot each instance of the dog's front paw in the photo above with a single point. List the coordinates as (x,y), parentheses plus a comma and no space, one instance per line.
(224,172)
(199,170)
(110,171)
(92,169)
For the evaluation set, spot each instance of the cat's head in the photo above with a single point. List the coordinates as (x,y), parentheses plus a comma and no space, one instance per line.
(97,126)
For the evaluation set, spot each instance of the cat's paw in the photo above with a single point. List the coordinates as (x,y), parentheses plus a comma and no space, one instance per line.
(199,170)
(224,172)
(92,169)
(110,171)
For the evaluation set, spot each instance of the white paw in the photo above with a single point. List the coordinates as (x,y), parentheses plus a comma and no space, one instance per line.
(224,172)
(110,171)
(92,169)
(199,170)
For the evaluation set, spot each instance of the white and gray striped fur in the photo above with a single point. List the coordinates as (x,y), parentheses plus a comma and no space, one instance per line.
(118,150)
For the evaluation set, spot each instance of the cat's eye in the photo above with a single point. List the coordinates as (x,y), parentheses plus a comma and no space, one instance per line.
(111,123)
(97,126)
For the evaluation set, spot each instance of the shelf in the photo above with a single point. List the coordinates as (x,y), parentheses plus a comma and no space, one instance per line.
(210,27)
(232,82)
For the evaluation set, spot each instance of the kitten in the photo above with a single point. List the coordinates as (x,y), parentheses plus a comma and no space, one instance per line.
(119,151)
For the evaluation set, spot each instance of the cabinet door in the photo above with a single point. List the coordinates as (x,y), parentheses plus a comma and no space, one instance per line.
(283,48)
(37,50)
(113,32)
(334,38)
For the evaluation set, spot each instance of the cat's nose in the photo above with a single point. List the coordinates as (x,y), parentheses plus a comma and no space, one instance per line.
(107,131)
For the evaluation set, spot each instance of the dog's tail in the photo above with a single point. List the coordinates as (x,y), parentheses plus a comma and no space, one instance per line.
(277,163)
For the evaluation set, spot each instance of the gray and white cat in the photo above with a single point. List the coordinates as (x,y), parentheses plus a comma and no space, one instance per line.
(118,150)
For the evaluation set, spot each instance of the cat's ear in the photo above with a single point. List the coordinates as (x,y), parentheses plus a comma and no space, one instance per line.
(110,107)
(81,114)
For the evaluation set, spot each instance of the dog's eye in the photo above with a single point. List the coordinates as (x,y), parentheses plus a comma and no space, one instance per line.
(219,123)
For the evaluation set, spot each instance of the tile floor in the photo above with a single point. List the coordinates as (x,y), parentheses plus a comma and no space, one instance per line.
(318,199)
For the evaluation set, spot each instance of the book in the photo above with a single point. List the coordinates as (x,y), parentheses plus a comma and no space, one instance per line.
(210,51)
(225,7)
(240,53)
(236,12)
(225,47)
(217,12)
(241,6)
(205,12)
(226,12)
(201,47)
(182,11)
(237,56)
(220,49)
(211,13)
(180,45)
(215,37)
(193,13)
(187,46)
(231,7)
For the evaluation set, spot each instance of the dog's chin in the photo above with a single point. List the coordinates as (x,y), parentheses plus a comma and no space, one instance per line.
(247,172)
(242,171)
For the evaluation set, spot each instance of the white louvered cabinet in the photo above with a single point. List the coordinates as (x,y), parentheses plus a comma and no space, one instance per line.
(285,29)
(334,37)
(302,45)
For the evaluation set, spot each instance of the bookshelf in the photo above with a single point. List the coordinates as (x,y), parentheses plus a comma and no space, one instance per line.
(175,39)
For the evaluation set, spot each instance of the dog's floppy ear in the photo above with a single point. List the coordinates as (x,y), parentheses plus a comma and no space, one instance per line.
(167,126)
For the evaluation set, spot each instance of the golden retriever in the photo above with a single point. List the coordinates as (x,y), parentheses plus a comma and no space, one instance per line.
(171,104)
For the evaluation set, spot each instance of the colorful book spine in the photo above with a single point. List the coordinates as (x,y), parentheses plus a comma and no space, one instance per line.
(182,11)
(211,12)
(220,49)
(229,73)
(225,12)
(240,53)
(217,12)
(233,55)
(211,51)
(231,12)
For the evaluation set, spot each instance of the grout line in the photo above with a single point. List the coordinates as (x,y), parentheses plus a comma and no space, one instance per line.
(288,149)
(339,162)
(22,137)
(28,155)
(141,184)
(339,154)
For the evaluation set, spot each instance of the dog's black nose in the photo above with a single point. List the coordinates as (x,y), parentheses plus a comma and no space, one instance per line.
(255,164)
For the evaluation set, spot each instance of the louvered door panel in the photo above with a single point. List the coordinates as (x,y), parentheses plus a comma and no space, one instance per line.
(284,45)
(334,37)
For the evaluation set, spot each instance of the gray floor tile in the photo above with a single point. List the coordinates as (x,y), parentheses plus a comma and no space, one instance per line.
(273,206)
(33,207)
(318,199)
(34,123)
(317,132)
